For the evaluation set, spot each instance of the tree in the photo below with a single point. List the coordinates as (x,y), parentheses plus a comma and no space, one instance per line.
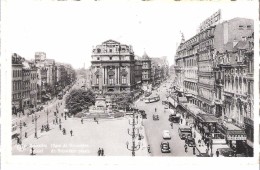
(123,100)
(80,99)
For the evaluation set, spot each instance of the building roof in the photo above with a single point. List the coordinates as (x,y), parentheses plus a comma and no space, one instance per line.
(145,56)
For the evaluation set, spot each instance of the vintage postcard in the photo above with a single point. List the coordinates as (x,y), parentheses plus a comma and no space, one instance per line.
(131,79)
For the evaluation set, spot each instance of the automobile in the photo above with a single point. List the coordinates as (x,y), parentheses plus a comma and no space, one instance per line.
(165,147)
(190,141)
(155,117)
(175,118)
(143,114)
(166,134)
(203,155)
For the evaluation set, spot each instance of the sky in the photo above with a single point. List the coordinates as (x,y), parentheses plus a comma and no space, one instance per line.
(67,31)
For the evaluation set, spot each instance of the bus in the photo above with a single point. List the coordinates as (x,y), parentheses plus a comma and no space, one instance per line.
(152,98)
(15,132)
(184,132)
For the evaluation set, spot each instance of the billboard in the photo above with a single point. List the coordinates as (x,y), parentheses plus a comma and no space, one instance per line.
(212,20)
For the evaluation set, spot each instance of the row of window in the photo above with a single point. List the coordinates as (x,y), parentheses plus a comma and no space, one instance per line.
(243,27)
(111,79)
(21,95)
(19,85)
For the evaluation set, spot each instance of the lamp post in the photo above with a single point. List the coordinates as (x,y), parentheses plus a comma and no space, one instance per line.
(134,147)
(47,119)
(35,119)
(21,132)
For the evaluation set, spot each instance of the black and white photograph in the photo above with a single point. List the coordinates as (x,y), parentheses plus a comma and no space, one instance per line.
(133,79)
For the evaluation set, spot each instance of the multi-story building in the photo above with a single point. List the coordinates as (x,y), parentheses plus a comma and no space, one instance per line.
(33,85)
(146,69)
(234,85)
(112,67)
(17,81)
(138,72)
(51,76)
(26,83)
(198,79)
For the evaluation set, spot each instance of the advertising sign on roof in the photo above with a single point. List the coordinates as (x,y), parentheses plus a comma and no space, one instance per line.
(212,20)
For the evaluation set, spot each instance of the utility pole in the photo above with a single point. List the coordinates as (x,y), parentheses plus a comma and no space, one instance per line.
(21,132)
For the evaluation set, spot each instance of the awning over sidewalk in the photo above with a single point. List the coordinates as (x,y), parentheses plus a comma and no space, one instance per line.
(194,109)
(182,100)
(233,132)
(207,118)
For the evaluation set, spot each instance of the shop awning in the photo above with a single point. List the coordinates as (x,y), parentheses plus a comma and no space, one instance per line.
(207,118)
(234,132)
(194,109)
(183,100)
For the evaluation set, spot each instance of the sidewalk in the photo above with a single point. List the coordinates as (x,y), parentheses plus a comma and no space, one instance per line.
(201,148)
(86,139)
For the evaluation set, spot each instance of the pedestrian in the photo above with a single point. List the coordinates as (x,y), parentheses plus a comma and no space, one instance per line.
(194,150)
(155,109)
(32,151)
(199,141)
(25,134)
(70,132)
(186,148)
(172,125)
(60,126)
(65,117)
(60,120)
(99,151)
(217,153)
(81,121)
(61,114)
(53,121)
(102,152)
(181,120)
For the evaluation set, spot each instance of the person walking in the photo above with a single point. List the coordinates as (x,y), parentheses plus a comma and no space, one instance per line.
(71,132)
(194,150)
(25,134)
(186,148)
(155,110)
(99,151)
(82,121)
(65,117)
(60,120)
(102,152)
(172,125)
(60,126)
(181,120)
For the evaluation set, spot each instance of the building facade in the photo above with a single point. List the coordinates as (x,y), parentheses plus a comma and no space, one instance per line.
(146,69)
(17,82)
(112,67)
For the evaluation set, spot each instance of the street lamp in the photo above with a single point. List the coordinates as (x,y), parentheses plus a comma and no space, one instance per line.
(133,148)
(47,119)
(21,132)
(35,119)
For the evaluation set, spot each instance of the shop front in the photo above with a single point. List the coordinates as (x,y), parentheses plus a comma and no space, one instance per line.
(235,137)
(208,125)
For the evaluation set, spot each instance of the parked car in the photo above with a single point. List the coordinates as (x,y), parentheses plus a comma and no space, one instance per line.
(190,141)
(165,147)
(166,134)
(155,117)
(39,108)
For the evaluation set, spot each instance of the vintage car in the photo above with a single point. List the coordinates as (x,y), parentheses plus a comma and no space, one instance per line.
(165,147)
(155,117)
(166,134)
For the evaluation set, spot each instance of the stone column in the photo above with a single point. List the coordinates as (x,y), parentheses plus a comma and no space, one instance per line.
(103,69)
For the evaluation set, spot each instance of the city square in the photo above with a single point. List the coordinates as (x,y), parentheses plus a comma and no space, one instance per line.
(197,102)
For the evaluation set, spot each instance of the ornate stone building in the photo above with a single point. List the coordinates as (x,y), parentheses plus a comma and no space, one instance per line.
(113,67)
(146,69)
